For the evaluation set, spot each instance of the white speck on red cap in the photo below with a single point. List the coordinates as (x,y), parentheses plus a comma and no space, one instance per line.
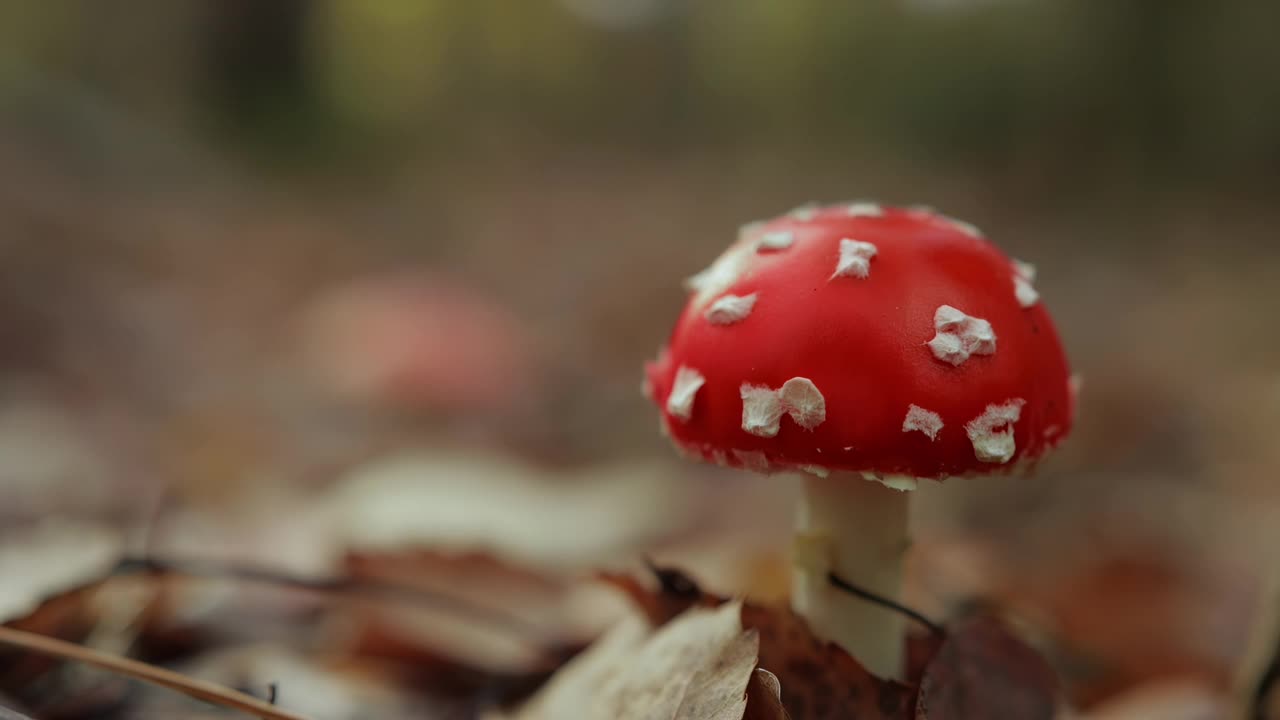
(864,209)
(959,336)
(948,348)
(855,259)
(965,227)
(926,421)
(749,228)
(776,240)
(803,402)
(1023,275)
(1024,292)
(763,407)
(893,481)
(1025,270)
(901,483)
(753,460)
(683,391)
(992,432)
(720,275)
(805,212)
(761,410)
(729,309)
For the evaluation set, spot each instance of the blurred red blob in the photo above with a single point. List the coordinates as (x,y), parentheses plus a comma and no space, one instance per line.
(418,342)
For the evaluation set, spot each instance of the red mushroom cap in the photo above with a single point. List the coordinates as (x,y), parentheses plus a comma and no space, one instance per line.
(888,341)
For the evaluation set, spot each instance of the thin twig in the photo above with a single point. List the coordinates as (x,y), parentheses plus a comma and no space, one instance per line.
(886,603)
(199,689)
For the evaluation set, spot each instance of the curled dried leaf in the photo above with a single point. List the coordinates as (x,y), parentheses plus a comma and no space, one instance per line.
(696,667)
(764,697)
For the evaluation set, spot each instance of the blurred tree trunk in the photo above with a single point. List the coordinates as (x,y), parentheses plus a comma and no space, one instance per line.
(257,79)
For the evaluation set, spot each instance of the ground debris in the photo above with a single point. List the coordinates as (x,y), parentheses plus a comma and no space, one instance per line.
(982,670)
(817,680)
(695,667)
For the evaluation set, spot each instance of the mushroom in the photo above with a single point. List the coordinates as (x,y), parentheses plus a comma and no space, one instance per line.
(418,340)
(876,349)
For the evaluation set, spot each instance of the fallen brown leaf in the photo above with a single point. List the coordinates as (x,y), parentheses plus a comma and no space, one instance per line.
(696,667)
(500,616)
(573,685)
(818,680)
(49,575)
(517,512)
(7,714)
(921,647)
(674,594)
(51,558)
(1186,699)
(764,697)
(983,671)
(1106,607)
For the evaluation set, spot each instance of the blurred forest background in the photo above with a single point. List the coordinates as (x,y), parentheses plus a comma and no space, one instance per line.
(254,253)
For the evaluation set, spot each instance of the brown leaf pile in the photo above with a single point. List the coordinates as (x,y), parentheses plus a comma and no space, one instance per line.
(983,671)
(979,670)
(685,655)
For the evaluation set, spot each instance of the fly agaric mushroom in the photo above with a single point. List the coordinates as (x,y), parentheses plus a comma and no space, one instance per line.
(868,347)
(418,340)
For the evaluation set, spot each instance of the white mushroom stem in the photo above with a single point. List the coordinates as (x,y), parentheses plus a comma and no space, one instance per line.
(857,529)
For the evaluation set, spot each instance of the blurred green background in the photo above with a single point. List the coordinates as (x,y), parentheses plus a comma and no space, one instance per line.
(573,159)
(1067,94)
